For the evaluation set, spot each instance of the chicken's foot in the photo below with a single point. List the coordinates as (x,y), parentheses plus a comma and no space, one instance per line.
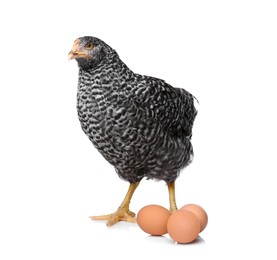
(123,213)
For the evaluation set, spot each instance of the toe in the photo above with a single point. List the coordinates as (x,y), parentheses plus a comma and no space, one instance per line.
(132,214)
(112,221)
(103,217)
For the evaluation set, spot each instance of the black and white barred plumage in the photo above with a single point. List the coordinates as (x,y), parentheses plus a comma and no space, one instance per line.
(140,124)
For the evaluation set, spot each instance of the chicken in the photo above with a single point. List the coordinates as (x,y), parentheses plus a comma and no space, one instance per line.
(140,124)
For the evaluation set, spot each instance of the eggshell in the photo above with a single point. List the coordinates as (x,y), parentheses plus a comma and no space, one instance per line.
(183,226)
(199,212)
(152,219)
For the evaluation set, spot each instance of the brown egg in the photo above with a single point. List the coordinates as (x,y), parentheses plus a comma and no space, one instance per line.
(183,226)
(199,212)
(152,219)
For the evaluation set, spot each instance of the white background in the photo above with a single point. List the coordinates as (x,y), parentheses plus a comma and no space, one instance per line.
(52,178)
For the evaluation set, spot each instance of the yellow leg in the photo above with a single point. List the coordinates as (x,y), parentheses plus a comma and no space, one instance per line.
(172,200)
(123,213)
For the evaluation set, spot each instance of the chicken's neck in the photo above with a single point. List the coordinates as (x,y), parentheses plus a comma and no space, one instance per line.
(113,70)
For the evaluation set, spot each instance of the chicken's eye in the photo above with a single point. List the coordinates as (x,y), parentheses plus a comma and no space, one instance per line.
(89,46)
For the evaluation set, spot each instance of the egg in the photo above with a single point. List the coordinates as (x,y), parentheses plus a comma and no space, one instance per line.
(183,226)
(152,219)
(199,212)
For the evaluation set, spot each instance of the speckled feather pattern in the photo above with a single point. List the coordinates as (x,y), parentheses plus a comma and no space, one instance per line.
(140,124)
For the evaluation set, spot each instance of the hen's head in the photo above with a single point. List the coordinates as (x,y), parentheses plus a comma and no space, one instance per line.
(89,52)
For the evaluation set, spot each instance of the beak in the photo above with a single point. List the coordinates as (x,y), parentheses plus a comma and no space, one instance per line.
(71,55)
(75,52)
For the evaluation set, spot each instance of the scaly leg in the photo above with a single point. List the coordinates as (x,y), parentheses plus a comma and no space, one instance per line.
(123,213)
(172,200)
